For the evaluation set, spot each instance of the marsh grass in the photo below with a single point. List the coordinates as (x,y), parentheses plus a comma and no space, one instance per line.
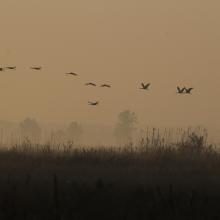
(159,177)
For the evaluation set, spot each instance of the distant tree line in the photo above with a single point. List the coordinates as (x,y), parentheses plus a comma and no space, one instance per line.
(30,130)
(123,131)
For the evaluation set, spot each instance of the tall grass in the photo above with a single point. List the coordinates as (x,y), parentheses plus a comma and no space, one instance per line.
(159,177)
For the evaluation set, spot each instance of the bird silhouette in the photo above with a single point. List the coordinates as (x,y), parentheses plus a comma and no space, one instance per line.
(90,84)
(93,103)
(36,68)
(188,90)
(71,73)
(106,85)
(179,90)
(145,86)
(11,67)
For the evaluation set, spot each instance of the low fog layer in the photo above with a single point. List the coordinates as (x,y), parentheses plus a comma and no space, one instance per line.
(125,131)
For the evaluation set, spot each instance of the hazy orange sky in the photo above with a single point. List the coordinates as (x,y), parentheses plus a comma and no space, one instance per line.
(122,42)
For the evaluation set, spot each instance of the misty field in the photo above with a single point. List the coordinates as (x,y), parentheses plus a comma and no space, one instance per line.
(152,179)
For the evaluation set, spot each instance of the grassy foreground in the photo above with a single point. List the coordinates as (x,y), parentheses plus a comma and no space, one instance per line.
(152,180)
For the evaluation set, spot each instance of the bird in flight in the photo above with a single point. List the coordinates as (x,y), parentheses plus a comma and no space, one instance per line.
(36,68)
(179,90)
(93,103)
(90,84)
(188,91)
(71,73)
(145,86)
(11,67)
(106,85)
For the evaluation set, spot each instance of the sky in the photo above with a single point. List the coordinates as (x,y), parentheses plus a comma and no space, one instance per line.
(121,42)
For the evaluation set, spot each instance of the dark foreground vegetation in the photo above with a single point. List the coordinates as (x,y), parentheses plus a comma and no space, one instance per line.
(152,180)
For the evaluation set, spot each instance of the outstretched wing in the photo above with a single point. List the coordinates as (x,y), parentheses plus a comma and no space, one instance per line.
(90,84)
(93,103)
(71,73)
(11,67)
(36,68)
(105,85)
(147,86)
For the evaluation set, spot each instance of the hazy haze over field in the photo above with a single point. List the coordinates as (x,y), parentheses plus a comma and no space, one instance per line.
(123,42)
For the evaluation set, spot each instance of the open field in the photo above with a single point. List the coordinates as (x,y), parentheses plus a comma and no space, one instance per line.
(150,180)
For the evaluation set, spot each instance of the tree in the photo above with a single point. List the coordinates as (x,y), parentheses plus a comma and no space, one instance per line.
(125,126)
(58,136)
(74,132)
(30,129)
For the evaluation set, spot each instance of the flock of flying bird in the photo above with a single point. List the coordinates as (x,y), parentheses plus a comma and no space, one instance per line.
(144,86)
